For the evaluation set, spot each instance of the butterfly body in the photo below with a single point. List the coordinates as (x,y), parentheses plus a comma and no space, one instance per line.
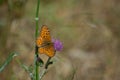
(44,42)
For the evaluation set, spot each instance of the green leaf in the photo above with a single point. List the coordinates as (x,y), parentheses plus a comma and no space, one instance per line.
(8,60)
(28,69)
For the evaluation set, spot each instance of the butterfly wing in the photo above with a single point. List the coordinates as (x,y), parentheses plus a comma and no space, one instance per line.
(44,42)
(48,50)
(44,36)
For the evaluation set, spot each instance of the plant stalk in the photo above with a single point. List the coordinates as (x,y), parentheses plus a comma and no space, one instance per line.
(36,67)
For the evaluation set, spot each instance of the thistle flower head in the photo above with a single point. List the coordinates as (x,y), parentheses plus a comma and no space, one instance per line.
(57,44)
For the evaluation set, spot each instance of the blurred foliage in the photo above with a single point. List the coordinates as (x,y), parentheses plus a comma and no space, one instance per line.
(2,1)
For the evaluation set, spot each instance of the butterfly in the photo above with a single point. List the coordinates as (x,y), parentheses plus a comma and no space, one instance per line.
(44,42)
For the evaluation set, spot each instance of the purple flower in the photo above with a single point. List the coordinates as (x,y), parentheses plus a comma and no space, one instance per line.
(57,44)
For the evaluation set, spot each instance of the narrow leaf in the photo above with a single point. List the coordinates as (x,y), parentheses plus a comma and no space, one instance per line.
(8,60)
(28,69)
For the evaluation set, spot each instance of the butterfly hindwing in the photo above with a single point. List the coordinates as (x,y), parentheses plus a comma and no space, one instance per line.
(48,50)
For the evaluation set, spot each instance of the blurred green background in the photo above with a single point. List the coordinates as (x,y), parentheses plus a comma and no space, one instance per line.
(89,30)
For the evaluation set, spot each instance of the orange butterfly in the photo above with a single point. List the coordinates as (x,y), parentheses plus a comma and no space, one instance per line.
(44,42)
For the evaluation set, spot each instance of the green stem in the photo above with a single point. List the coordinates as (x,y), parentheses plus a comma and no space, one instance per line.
(36,67)
(37,18)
